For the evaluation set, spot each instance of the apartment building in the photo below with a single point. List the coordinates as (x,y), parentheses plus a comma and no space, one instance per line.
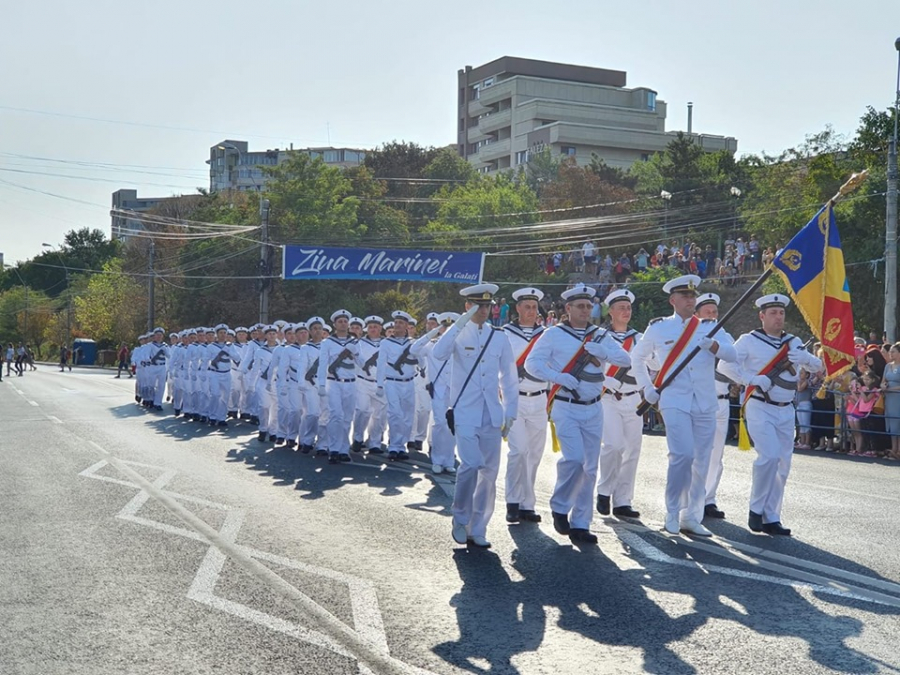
(233,166)
(124,227)
(512,107)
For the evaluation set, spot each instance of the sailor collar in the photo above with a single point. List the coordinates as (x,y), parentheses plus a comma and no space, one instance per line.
(369,341)
(624,335)
(568,330)
(399,341)
(774,342)
(518,331)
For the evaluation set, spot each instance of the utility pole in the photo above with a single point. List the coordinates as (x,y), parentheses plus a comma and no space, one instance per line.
(890,230)
(151,288)
(265,271)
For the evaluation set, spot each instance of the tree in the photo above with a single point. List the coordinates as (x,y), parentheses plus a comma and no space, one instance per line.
(113,307)
(23,315)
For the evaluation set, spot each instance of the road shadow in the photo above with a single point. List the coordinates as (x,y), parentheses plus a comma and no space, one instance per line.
(847,457)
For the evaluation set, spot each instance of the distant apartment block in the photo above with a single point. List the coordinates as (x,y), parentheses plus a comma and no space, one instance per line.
(125,227)
(232,166)
(512,107)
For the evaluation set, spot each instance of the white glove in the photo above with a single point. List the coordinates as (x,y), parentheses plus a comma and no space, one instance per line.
(322,391)
(353,348)
(761,382)
(651,395)
(379,392)
(567,381)
(464,318)
(596,349)
(798,357)
(433,332)
(706,343)
(507,425)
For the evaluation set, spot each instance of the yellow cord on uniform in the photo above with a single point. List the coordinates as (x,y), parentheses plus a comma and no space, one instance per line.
(554,439)
(743,436)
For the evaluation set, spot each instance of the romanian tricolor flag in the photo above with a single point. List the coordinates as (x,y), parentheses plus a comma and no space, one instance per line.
(812,265)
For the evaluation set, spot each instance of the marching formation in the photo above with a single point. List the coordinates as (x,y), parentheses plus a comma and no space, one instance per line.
(465,386)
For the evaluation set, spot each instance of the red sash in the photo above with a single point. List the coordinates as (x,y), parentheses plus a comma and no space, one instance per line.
(612,371)
(780,354)
(685,337)
(571,364)
(524,355)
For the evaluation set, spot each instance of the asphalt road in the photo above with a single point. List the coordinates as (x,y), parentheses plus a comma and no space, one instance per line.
(132,542)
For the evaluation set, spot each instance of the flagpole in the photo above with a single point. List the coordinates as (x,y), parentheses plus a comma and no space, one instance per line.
(852,183)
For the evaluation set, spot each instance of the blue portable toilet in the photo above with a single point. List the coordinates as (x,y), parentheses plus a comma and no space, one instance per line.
(87,352)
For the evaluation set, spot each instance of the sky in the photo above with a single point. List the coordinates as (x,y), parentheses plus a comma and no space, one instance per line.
(102,95)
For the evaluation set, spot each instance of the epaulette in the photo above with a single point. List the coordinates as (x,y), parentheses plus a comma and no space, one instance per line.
(653,321)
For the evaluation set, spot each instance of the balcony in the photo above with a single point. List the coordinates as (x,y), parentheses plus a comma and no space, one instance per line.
(498,92)
(494,121)
(494,151)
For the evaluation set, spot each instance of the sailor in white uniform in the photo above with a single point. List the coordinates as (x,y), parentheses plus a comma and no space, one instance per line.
(770,411)
(688,405)
(370,417)
(262,360)
(574,355)
(219,376)
(310,436)
(528,434)
(423,400)
(336,382)
(484,398)
(622,427)
(157,355)
(238,350)
(395,371)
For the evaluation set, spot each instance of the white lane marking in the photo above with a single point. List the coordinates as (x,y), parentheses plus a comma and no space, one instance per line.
(34,403)
(368,644)
(867,495)
(56,420)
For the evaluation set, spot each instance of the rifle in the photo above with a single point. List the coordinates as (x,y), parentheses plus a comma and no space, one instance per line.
(785,365)
(583,361)
(339,361)
(403,360)
(311,372)
(367,366)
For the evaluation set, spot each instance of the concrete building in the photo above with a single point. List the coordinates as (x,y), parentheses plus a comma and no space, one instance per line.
(123,227)
(512,107)
(232,166)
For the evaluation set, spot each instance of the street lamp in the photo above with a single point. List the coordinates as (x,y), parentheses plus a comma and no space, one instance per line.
(68,295)
(890,230)
(666,197)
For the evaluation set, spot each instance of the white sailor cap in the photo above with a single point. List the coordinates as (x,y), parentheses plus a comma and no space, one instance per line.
(270,329)
(257,326)
(326,327)
(171,335)
(222,326)
(432,316)
(280,324)
(191,331)
(357,320)
(578,292)
(684,284)
(529,293)
(448,317)
(413,321)
(389,325)
(300,325)
(158,330)
(706,298)
(618,295)
(231,332)
(773,300)
(311,321)
(400,314)
(374,318)
(209,330)
(480,294)
(341,313)
(241,329)
(288,328)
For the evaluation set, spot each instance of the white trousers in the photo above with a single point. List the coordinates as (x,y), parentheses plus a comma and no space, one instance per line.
(274,423)
(264,397)
(689,437)
(443,443)
(178,390)
(621,448)
(476,481)
(423,411)
(201,394)
(219,390)
(189,407)
(309,422)
(341,398)
(370,417)
(236,395)
(579,429)
(289,409)
(772,430)
(526,439)
(717,458)
(401,404)
(250,403)
(156,383)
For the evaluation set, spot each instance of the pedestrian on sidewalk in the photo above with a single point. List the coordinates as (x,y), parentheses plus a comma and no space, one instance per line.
(63,358)
(20,360)
(10,358)
(122,355)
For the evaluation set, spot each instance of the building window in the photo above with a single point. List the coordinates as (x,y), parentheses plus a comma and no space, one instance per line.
(354,156)
(331,156)
(522,157)
(645,157)
(476,92)
(462,123)
(651,101)
(567,150)
(488,82)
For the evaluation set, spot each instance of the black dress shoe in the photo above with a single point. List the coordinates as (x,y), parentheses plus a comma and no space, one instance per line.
(561,523)
(713,511)
(223,423)
(776,529)
(357,446)
(344,457)
(261,437)
(306,449)
(411,445)
(279,441)
(603,505)
(333,458)
(290,444)
(417,446)
(529,516)
(402,455)
(392,456)
(626,512)
(583,536)
(320,452)
(755,522)
(272,438)
(512,513)
(376,450)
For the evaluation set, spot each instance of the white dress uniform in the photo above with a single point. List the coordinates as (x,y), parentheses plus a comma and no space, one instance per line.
(577,414)
(293,368)
(528,434)
(369,419)
(620,450)
(249,375)
(203,375)
(238,351)
(336,378)
(189,408)
(423,404)
(769,414)
(136,357)
(157,355)
(170,371)
(395,372)
(175,381)
(480,414)
(443,444)
(688,406)
(310,421)
(275,374)
(262,361)
(219,377)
